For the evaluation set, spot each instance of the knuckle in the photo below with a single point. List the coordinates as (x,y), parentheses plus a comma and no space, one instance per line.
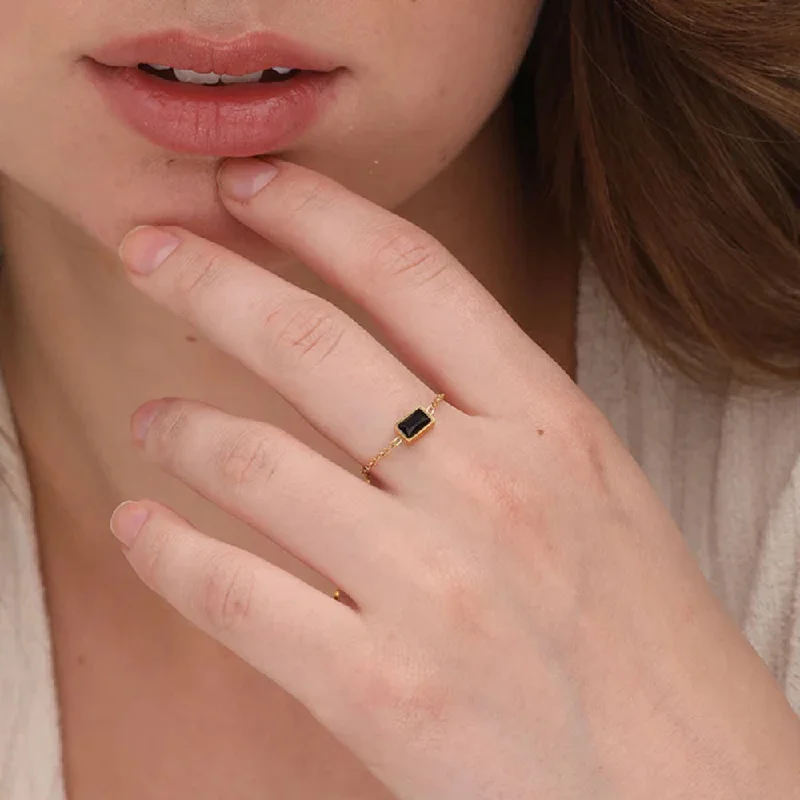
(200,273)
(168,431)
(584,438)
(505,493)
(226,593)
(251,457)
(409,696)
(491,483)
(312,195)
(153,544)
(410,255)
(459,595)
(307,331)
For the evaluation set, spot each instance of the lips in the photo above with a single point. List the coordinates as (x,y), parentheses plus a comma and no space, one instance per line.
(181,50)
(241,119)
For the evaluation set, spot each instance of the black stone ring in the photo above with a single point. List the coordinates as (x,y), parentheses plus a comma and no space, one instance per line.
(410,428)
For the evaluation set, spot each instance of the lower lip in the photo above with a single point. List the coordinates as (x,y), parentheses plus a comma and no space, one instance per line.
(238,120)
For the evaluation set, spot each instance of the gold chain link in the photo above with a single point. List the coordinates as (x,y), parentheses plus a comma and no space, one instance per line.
(373,461)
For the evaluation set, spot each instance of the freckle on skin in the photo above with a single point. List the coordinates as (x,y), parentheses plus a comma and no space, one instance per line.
(191,338)
(540,432)
(81,660)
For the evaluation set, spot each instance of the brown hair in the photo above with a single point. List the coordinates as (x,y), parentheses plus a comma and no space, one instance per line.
(669,132)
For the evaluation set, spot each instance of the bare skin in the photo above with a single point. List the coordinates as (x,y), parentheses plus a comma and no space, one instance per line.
(137,683)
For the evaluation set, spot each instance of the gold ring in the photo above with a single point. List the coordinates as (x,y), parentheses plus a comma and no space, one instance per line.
(409,429)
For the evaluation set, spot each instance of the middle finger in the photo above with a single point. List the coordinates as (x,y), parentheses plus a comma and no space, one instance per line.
(342,380)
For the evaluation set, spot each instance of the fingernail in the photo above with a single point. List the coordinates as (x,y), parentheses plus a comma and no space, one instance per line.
(127,521)
(143,418)
(241,179)
(144,248)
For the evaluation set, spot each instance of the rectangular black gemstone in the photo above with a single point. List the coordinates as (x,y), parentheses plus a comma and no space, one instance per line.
(414,424)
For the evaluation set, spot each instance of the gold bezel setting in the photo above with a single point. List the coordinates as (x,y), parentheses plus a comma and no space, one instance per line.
(417,423)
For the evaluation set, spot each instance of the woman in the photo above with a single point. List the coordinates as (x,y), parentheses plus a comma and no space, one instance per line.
(556,243)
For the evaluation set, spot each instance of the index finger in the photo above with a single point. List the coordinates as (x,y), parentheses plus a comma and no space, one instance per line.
(441,320)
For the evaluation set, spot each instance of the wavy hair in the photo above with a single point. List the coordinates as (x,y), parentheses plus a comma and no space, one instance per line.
(669,132)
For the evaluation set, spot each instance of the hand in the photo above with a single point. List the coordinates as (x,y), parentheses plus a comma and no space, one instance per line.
(523,618)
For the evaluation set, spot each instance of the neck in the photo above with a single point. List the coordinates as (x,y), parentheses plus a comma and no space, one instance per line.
(80,349)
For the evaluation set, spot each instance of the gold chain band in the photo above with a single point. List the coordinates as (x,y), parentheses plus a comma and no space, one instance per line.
(409,429)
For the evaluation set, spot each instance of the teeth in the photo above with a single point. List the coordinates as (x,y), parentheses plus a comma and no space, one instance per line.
(211,78)
(190,76)
(253,77)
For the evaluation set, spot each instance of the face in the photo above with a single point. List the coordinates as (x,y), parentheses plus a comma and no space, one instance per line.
(420,79)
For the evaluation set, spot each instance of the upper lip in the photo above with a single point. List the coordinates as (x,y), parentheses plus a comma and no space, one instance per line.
(176,48)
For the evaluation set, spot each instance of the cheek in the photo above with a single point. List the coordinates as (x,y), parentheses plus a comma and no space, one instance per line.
(41,129)
(17,20)
(438,70)
(20,59)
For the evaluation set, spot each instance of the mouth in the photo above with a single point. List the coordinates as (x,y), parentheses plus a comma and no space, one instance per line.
(220,98)
(271,75)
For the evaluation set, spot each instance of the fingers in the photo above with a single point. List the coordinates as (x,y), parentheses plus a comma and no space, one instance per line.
(443,323)
(274,621)
(332,520)
(330,369)
(449,328)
